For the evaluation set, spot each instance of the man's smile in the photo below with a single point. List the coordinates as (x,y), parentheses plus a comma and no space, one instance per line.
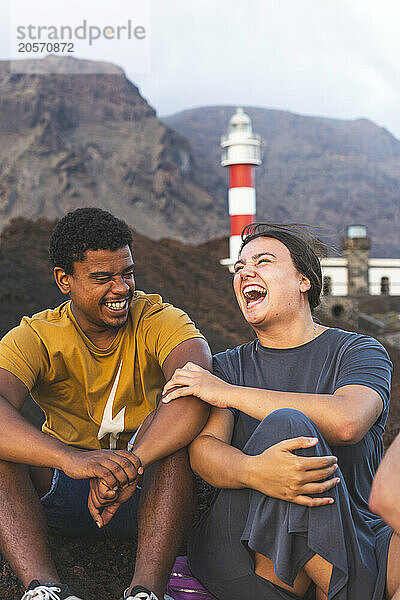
(117,306)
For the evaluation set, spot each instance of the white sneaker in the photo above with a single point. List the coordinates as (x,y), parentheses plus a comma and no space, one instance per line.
(142,593)
(56,591)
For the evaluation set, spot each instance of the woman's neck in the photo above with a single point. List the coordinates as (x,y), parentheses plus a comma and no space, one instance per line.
(289,334)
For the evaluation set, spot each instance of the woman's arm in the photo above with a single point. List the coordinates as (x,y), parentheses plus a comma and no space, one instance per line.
(277,472)
(343,417)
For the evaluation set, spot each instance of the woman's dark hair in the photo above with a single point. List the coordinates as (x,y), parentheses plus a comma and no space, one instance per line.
(86,229)
(300,245)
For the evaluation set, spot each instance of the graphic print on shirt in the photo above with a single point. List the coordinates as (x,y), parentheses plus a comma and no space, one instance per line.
(113,426)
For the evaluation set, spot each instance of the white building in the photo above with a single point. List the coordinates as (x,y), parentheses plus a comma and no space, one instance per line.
(356,274)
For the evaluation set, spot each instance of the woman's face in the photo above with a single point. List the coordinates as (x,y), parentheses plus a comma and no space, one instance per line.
(267,285)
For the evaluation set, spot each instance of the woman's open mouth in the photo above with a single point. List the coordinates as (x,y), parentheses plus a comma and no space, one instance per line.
(253,294)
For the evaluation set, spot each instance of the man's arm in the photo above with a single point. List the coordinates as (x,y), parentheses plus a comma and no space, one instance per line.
(276,472)
(343,417)
(385,493)
(168,429)
(20,442)
(174,427)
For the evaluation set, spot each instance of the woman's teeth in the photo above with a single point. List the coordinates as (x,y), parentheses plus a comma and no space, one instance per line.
(254,294)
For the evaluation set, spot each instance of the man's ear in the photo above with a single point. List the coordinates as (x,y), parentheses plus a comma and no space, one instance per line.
(305,284)
(62,280)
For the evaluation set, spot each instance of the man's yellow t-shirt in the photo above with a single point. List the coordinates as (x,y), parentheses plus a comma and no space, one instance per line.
(94,398)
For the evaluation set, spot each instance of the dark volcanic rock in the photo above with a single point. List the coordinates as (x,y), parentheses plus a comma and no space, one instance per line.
(188,276)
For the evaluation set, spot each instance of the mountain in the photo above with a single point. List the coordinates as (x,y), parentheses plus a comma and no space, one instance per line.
(77,138)
(90,139)
(325,172)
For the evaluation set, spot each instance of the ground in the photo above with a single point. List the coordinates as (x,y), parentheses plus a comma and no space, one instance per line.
(96,570)
(100,569)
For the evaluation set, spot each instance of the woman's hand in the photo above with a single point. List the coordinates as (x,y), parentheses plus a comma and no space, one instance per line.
(279,473)
(192,380)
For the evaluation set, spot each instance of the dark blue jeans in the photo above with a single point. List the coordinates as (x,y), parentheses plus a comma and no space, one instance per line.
(66,509)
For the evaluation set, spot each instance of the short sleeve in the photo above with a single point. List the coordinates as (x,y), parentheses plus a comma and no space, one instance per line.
(366,362)
(164,328)
(23,354)
(221,370)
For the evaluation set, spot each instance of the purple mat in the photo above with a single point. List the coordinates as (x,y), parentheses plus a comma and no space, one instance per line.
(183,586)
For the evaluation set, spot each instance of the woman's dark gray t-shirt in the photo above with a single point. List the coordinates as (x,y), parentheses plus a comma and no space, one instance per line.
(345,533)
(330,361)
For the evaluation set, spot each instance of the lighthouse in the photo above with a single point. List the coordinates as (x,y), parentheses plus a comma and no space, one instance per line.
(241,152)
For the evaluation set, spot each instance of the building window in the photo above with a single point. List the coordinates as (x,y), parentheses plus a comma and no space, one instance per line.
(385,289)
(327,285)
(337,310)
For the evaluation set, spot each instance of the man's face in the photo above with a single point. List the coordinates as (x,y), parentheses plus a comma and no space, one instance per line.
(101,289)
(267,285)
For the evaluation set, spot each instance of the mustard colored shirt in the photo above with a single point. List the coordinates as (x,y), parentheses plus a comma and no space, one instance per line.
(95,398)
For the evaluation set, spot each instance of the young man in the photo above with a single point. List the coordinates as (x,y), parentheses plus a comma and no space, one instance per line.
(298,388)
(96,365)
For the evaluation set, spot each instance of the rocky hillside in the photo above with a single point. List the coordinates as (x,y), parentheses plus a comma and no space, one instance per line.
(321,171)
(91,139)
(80,138)
(69,140)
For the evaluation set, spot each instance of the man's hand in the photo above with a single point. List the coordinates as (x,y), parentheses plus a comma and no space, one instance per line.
(192,380)
(116,468)
(279,473)
(104,502)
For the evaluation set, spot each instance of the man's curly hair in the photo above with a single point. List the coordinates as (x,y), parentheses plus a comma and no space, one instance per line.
(86,229)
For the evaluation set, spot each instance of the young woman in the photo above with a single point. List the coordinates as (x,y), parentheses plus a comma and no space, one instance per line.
(293,441)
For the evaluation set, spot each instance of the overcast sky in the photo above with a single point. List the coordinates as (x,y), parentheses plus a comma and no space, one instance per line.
(336,58)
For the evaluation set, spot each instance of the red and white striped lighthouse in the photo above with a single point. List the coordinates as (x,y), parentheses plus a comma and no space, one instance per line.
(241,152)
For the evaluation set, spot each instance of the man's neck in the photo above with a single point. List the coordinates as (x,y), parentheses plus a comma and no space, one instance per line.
(102,338)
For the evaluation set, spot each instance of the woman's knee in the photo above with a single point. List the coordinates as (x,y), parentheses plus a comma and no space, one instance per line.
(281,424)
(288,421)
